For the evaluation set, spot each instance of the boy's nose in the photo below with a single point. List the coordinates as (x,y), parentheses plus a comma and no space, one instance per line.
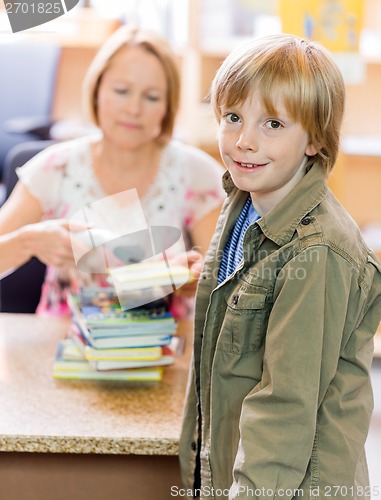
(246,141)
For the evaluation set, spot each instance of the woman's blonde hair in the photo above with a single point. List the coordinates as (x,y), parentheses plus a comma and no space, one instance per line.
(154,44)
(302,73)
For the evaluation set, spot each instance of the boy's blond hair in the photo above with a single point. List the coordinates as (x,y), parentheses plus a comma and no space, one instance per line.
(302,73)
(154,44)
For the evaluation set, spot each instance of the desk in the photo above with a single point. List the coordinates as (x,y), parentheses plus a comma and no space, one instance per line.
(87,440)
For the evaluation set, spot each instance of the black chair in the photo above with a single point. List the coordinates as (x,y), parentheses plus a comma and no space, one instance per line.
(27,87)
(20,291)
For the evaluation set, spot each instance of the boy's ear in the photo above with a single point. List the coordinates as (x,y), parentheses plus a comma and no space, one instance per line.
(312,149)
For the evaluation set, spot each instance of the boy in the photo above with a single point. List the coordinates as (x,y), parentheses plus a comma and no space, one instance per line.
(280,397)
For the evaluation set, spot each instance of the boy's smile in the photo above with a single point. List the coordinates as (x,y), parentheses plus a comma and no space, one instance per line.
(249,166)
(265,154)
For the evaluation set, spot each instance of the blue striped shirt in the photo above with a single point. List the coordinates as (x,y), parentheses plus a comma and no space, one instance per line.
(233,251)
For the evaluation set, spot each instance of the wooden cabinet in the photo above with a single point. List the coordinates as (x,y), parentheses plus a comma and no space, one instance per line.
(83,439)
(356,181)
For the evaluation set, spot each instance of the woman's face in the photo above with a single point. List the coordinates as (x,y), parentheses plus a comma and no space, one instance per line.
(132,99)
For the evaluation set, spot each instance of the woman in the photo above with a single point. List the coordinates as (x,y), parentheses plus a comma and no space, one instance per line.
(132,94)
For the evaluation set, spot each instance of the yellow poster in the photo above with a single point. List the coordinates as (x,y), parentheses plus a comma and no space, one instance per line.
(336,24)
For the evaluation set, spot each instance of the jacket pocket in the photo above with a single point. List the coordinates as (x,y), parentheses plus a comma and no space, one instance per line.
(244,326)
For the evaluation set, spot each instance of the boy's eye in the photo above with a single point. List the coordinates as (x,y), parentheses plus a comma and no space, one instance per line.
(232,118)
(273,124)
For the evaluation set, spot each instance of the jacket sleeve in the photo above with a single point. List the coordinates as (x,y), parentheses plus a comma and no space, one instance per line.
(318,351)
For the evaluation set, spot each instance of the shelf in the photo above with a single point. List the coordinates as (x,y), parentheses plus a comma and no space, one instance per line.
(361,145)
(82,28)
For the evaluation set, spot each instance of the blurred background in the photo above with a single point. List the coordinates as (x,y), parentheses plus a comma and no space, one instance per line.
(42,71)
(203,32)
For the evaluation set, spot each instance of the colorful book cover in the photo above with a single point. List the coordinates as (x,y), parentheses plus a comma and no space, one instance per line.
(81,369)
(100,308)
(149,275)
(121,341)
(121,354)
(135,341)
(133,375)
(70,357)
(149,339)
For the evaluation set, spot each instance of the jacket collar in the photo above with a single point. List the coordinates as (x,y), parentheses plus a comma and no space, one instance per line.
(280,223)
(227,182)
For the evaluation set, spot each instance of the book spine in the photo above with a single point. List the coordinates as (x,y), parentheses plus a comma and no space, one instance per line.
(79,319)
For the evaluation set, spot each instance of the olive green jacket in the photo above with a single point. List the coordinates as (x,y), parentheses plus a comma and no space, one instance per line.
(279,398)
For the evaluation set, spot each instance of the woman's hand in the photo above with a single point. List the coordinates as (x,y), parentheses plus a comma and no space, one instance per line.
(194,260)
(50,242)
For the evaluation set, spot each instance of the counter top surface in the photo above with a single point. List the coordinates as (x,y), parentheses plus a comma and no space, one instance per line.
(41,414)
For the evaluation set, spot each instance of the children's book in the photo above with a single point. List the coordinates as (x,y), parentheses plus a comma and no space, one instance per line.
(70,357)
(123,342)
(99,308)
(151,274)
(134,375)
(144,338)
(117,354)
(81,369)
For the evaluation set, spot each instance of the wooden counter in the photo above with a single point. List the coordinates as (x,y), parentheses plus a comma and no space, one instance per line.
(87,439)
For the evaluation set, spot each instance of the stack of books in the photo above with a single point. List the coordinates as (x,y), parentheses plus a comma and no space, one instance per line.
(106,342)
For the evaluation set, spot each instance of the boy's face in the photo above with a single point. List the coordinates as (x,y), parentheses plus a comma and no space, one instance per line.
(264,154)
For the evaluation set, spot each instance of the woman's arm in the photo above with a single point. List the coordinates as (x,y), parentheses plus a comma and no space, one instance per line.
(21,208)
(23,236)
